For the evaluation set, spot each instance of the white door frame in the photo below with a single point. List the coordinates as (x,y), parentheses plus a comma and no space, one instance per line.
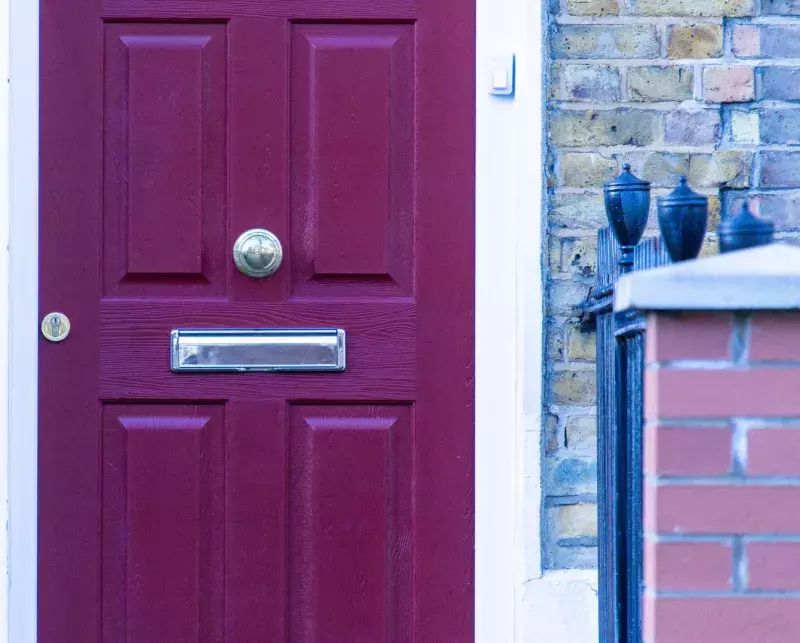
(509,306)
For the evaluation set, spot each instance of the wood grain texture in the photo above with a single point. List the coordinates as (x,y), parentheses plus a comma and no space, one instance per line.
(443,585)
(70,211)
(259,146)
(163,528)
(350,523)
(134,343)
(352,151)
(256,600)
(310,10)
(310,508)
(165,160)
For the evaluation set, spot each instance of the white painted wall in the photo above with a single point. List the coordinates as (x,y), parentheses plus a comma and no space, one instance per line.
(515,602)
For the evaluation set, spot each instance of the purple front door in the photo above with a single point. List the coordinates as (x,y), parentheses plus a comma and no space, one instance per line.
(257,507)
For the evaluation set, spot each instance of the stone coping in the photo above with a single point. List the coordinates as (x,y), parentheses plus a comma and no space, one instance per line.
(763,278)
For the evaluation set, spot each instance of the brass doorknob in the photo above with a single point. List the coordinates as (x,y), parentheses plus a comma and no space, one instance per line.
(258,253)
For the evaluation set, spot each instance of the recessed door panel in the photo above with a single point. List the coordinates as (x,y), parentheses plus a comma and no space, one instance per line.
(165,162)
(353,198)
(350,523)
(163,527)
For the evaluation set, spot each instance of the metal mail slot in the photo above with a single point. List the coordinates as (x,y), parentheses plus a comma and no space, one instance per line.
(274,350)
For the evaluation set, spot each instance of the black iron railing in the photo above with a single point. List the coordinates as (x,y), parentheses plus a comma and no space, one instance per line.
(620,375)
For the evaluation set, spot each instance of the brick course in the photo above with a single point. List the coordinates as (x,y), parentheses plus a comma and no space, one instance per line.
(709,88)
(722,543)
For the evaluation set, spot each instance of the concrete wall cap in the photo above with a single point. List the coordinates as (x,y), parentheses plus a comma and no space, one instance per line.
(763,278)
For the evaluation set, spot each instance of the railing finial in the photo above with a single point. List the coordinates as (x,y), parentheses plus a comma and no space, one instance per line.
(682,219)
(627,200)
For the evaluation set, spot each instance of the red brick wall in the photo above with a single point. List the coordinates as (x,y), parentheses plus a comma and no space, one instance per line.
(722,479)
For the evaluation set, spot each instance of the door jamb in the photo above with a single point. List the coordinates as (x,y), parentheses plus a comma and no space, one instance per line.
(509,321)
(508,318)
(21,331)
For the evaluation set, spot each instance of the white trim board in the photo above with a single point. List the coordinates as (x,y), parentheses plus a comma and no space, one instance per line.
(508,312)
(23,152)
(514,601)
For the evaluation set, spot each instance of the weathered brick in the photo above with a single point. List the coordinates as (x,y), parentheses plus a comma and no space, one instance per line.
(698,40)
(693,127)
(565,297)
(780,169)
(593,128)
(553,436)
(581,345)
(592,7)
(566,555)
(555,82)
(570,476)
(556,344)
(574,521)
(780,127)
(662,168)
(728,83)
(581,170)
(574,387)
(780,83)
(780,7)
(554,254)
(714,216)
(576,212)
(660,83)
(579,256)
(723,168)
(572,536)
(782,208)
(596,83)
(745,127)
(779,41)
(695,8)
(746,41)
(606,41)
(580,434)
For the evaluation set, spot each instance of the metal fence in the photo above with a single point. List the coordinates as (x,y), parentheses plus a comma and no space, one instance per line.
(620,417)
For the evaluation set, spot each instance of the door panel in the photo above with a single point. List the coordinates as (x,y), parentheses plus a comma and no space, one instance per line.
(350,523)
(165,160)
(352,124)
(163,522)
(241,508)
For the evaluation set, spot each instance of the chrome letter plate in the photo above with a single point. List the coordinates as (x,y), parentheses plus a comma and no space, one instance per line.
(270,351)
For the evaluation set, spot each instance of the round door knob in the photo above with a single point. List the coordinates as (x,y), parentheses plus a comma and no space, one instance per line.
(258,253)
